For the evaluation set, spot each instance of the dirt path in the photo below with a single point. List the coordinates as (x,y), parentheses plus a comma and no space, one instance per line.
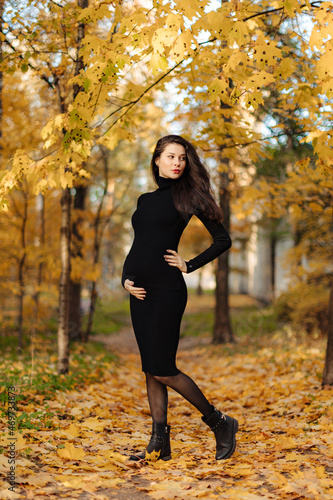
(124,341)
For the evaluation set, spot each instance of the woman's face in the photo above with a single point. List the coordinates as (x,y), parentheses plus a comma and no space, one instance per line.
(172,161)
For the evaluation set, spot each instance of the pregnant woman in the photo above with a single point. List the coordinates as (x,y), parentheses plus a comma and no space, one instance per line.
(152,274)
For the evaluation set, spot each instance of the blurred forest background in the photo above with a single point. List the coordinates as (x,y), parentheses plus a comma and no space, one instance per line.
(88,87)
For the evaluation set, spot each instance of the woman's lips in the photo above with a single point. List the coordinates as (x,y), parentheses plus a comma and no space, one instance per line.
(176,170)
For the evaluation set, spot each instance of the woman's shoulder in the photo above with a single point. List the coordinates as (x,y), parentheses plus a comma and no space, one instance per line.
(144,195)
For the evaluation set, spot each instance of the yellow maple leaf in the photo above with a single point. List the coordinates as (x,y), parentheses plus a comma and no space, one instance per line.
(72,431)
(238,33)
(218,87)
(182,44)
(291,6)
(75,483)
(324,65)
(39,479)
(285,443)
(70,452)
(153,456)
(163,37)
(21,443)
(6,493)
(158,62)
(94,424)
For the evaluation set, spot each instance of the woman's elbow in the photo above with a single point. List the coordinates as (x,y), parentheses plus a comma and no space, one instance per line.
(225,244)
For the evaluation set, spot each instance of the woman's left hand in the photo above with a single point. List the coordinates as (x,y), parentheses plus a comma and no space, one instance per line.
(176,260)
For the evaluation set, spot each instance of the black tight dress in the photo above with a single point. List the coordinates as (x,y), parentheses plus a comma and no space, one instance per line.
(156,319)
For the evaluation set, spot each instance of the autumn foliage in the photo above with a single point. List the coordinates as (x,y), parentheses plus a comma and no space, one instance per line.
(284,450)
(86,89)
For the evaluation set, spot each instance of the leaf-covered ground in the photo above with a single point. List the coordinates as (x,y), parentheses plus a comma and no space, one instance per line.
(285,439)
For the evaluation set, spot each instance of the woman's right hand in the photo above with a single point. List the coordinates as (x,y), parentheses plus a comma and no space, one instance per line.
(139,293)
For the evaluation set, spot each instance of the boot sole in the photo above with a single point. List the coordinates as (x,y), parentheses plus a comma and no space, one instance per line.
(137,459)
(235,430)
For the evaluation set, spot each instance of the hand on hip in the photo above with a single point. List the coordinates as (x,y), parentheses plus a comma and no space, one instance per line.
(176,260)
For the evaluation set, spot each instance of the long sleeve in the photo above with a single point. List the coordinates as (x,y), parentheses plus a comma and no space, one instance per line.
(123,277)
(221,243)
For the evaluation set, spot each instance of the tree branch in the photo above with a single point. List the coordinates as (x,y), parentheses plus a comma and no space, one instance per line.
(132,103)
(57,4)
(240,145)
(43,77)
(271,11)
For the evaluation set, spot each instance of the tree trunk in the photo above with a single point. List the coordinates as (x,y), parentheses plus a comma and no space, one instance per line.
(75,312)
(98,235)
(93,298)
(40,265)
(1,78)
(2,304)
(273,241)
(222,327)
(199,287)
(21,264)
(75,315)
(65,239)
(328,369)
(65,235)
(83,4)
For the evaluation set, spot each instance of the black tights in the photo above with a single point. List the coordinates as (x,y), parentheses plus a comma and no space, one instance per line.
(158,395)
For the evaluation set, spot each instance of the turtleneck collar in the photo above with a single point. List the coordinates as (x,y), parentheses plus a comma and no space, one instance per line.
(164,182)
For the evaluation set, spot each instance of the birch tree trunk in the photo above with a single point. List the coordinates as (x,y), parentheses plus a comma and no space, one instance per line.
(41,221)
(65,256)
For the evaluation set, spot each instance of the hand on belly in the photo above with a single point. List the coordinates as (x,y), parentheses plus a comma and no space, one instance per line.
(138,292)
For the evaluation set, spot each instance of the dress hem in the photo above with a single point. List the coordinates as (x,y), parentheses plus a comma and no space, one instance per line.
(153,372)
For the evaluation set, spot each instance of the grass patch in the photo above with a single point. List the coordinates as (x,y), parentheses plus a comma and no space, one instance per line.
(196,324)
(245,320)
(254,321)
(33,372)
(36,383)
(38,376)
(253,326)
(110,316)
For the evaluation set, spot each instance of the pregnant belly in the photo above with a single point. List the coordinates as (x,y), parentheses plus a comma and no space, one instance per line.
(153,272)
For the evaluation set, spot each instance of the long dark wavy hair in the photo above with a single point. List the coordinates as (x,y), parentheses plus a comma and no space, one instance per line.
(192,191)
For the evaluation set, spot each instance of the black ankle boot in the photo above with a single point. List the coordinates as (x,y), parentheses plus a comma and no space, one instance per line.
(224,428)
(159,442)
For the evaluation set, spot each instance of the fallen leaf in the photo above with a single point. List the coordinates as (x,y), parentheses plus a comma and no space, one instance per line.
(70,452)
